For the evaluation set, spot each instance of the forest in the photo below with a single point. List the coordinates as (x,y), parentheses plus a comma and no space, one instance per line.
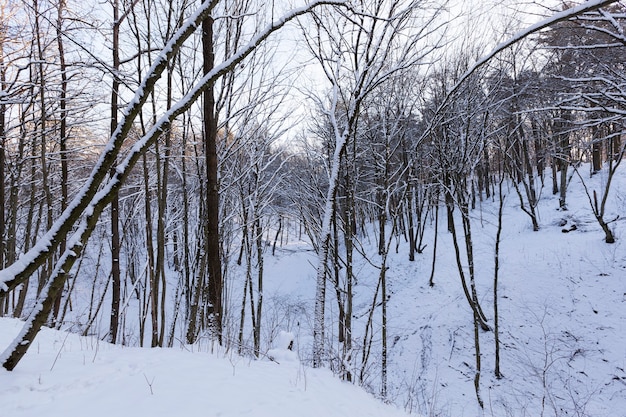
(155,156)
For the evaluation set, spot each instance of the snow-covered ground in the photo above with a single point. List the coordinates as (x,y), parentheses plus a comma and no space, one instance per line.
(562,308)
(562,305)
(71,376)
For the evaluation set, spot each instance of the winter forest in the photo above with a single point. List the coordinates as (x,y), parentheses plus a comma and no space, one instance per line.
(423,197)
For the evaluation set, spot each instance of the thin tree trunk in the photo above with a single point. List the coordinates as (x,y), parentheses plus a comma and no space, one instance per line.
(496,316)
(564,157)
(555,182)
(162,173)
(324,249)
(151,275)
(259,304)
(350,228)
(242,311)
(4,300)
(186,239)
(412,237)
(596,149)
(163,184)
(473,302)
(278,233)
(431,280)
(11,233)
(63,134)
(383,301)
(43,142)
(477,323)
(115,203)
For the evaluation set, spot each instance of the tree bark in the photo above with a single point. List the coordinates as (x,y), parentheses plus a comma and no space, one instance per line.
(212,240)
(3,298)
(115,202)
(63,136)
(496,275)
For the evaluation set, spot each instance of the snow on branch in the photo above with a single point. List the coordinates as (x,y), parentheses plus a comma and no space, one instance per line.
(29,262)
(556,18)
(99,200)
(585,7)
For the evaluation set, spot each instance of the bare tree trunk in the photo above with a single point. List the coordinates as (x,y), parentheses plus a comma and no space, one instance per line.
(259,303)
(212,240)
(596,150)
(11,239)
(161,240)
(115,203)
(431,280)
(412,237)
(186,271)
(383,301)
(151,276)
(278,233)
(3,298)
(320,302)
(477,323)
(555,182)
(496,316)
(163,182)
(42,124)
(350,228)
(244,249)
(63,135)
(564,155)
(242,311)
(471,298)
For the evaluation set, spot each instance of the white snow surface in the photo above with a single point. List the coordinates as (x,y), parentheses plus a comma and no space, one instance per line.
(68,375)
(562,305)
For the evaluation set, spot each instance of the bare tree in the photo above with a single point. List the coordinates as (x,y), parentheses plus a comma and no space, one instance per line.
(93,203)
(3,110)
(591,43)
(115,202)
(358,52)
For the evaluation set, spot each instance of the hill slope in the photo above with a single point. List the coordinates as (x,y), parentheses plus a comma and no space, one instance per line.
(562,305)
(68,375)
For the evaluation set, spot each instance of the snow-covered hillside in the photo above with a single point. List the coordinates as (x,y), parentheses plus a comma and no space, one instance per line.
(562,307)
(562,301)
(71,376)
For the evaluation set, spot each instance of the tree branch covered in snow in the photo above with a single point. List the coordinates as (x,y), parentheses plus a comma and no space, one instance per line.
(97,201)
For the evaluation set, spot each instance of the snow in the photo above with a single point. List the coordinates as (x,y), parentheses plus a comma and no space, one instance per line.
(586,6)
(283,348)
(562,306)
(562,299)
(69,375)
